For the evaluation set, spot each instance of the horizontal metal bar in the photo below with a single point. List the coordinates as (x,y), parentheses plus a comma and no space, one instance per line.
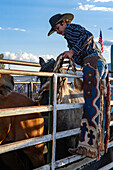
(69,75)
(107,167)
(36,73)
(110,144)
(24,110)
(111,102)
(15,62)
(45,167)
(24,143)
(69,106)
(68,160)
(71,159)
(19,63)
(111,78)
(62,162)
(37,140)
(22,72)
(67,133)
(26,82)
(36,109)
(111,123)
(34,82)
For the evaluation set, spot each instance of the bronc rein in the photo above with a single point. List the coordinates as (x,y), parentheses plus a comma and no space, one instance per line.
(58,64)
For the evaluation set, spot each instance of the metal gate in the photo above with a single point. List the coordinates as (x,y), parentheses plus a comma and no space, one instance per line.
(34,109)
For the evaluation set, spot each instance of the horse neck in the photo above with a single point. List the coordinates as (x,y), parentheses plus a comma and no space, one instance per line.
(63,92)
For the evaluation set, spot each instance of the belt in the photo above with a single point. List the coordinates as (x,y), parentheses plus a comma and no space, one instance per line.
(93,54)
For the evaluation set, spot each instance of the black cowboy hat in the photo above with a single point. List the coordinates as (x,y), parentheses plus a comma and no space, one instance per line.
(57,18)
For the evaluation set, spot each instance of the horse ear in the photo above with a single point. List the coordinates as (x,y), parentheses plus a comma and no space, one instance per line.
(41,61)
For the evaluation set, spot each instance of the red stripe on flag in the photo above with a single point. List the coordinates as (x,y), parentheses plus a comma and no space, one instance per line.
(101,41)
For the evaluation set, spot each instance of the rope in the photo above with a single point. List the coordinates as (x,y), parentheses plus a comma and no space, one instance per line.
(57,66)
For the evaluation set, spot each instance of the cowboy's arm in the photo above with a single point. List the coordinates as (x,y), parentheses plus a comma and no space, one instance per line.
(68,54)
(77,38)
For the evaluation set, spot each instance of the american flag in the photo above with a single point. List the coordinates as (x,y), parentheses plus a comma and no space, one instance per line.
(101,41)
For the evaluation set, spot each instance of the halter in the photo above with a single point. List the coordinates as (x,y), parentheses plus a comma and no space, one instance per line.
(58,65)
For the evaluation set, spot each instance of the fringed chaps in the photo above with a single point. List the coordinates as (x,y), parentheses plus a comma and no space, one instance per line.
(94,128)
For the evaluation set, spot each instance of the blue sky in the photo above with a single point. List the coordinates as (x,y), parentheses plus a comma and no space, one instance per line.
(25,23)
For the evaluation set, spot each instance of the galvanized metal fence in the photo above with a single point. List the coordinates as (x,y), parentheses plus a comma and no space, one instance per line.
(34,109)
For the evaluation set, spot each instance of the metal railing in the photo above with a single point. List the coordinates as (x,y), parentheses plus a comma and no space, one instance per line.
(34,109)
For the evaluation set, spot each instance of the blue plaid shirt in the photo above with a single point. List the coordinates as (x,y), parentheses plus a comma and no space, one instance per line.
(80,41)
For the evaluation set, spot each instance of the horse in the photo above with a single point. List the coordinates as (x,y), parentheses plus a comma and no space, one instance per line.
(20,127)
(68,119)
(6,84)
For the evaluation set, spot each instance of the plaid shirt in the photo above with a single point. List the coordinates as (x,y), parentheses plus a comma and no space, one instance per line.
(80,41)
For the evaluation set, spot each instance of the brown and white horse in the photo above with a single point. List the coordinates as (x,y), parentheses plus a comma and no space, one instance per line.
(66,119)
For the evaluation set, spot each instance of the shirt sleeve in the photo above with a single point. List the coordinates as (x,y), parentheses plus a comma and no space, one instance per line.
(77,37)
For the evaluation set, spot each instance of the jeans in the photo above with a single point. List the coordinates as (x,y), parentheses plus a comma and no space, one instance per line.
(102,68)
(103,71)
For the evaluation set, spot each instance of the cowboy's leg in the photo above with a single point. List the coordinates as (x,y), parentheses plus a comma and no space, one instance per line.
(103,72)
(102,68)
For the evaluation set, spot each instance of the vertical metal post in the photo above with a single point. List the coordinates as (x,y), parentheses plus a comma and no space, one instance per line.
(111,59)
(31,89)
(28,90)
(50,117)
(54,120)
(111,74)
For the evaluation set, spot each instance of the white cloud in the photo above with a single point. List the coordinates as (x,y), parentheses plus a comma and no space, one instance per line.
(103,0)
(107,49)
(105,42)
(14,29)
(107,53)
(93,8)
(25,56)
(108,43)
(96,39)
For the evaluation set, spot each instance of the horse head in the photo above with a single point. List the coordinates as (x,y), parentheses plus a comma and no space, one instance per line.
(45,67)
(6,84)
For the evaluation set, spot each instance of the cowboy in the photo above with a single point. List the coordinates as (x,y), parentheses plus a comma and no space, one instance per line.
(85,53)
